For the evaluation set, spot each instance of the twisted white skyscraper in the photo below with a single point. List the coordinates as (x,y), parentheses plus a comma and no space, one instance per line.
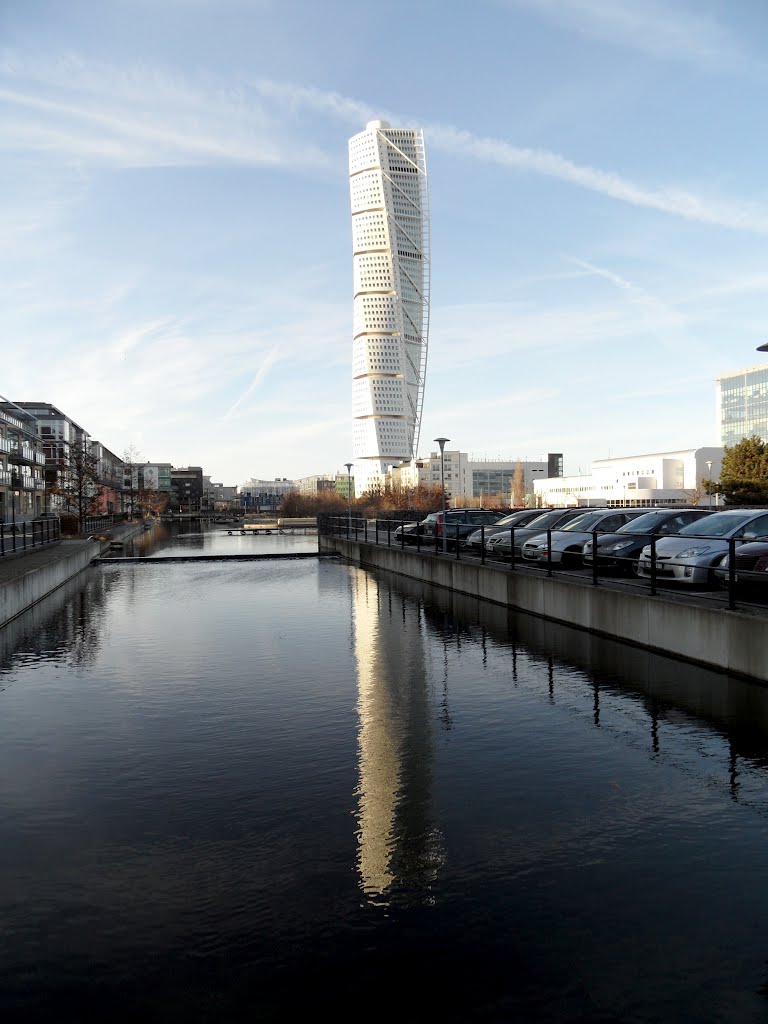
(390,242)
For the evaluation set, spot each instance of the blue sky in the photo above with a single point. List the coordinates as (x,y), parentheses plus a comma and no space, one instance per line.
(175,242)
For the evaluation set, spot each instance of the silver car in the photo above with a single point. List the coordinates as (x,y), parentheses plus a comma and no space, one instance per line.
(500,545)
(521,517)
(567,542)
(690,556)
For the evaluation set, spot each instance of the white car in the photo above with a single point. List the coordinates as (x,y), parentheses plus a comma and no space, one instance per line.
(567,543)
(691,555)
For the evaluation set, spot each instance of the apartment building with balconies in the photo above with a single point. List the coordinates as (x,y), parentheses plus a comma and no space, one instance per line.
(22,462)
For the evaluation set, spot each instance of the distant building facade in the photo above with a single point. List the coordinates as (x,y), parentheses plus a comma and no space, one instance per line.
(466,477)
(187,490)
(311,485)
(265,495)
(742,405)
(638,481)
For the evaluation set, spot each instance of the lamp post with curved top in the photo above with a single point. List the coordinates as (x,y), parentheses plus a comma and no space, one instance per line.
(442,441)
(349,497)
(709,482)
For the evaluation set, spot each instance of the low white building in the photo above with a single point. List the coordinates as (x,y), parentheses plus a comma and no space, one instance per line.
(467,478)
(637,481)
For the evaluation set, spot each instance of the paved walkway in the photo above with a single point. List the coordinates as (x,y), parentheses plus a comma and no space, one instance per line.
(12,566)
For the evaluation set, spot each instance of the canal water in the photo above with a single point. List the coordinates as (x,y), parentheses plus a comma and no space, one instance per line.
(284,790)
(195,538)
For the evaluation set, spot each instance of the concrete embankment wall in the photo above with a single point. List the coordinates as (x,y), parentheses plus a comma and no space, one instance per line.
(27,588)
(734,641)
(37,574)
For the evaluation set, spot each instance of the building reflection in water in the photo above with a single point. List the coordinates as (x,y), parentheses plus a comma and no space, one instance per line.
(66,626)
(399,847)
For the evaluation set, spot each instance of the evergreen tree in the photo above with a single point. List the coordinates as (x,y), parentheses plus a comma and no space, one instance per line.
(744,473)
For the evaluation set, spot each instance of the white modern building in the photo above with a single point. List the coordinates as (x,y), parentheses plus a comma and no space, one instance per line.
(742,405)
(469,478)
(661,478)
(390,245)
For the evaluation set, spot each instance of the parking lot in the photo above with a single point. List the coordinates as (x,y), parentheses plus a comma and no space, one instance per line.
(751,598)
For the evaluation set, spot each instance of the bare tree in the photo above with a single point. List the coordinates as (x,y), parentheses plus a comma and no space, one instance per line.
(79,489)
(518,486)
(131,457)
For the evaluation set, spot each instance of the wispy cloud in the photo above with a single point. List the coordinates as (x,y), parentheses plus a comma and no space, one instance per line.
(672,200)
(659,30)
(267,363)
(139,117)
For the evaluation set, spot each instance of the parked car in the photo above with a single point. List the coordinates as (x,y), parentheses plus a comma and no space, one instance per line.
(691,556)
(406,532)
(622,549)
(519,518)
(564,545)
(500,545)
(751,568)
(460,522)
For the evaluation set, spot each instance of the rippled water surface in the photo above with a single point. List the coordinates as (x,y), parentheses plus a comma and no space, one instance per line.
(295,789)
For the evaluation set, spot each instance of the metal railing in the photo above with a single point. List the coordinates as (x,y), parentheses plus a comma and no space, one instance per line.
(95,524)
(507,553)
(25,536)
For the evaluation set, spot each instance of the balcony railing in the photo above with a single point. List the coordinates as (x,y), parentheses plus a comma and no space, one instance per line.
(6,445)
(11,420)
(5,478)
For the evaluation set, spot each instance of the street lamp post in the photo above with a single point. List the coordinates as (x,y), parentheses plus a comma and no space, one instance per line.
(349,497)
(709,482)
(442,442)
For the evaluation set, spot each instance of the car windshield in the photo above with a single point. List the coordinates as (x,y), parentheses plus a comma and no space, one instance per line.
(546,519)
(718,525)
(586,522)
(643,524)
(514,517)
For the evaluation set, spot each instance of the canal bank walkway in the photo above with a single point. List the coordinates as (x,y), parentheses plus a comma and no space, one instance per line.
(28,576)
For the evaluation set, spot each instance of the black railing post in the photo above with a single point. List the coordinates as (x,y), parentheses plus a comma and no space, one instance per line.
(512,547)
(594,559)
(2,539)
(402,535)
(389,533)
(549,552)
(653,564)
(365,529)
(376,521)
(438,527)
(349,524)
(418,537)
(482,545)
(457,542)
(732,573)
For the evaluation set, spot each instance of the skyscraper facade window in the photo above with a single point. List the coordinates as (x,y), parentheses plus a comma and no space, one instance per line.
(390,244)
(742,405)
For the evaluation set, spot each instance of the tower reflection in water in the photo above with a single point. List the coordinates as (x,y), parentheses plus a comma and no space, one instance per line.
(399,847)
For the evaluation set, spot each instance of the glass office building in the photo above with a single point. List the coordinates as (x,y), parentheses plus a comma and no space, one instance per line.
(742,405)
